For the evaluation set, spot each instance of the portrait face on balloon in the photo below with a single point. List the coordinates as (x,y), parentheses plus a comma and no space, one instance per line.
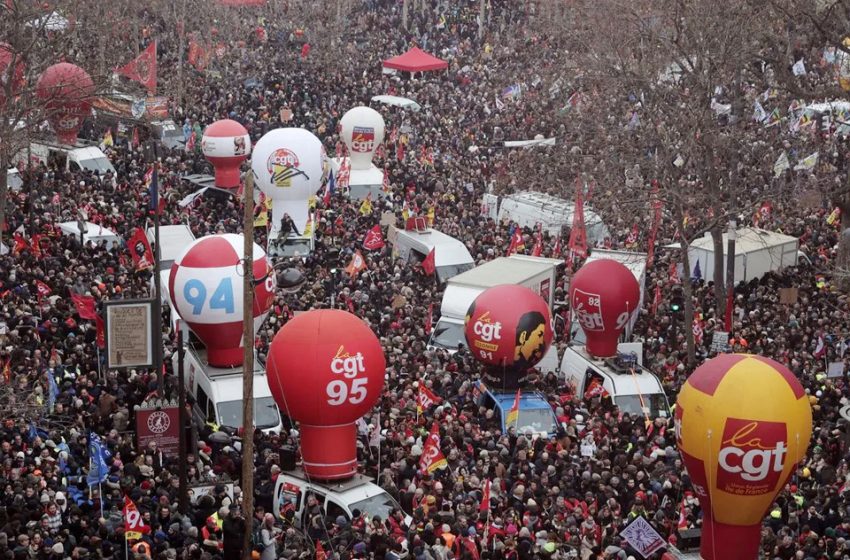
(508,326)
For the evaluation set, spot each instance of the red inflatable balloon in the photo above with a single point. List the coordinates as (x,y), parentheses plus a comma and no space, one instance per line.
(604,295)
(509,326)
(326,369)
(226,144)
(17,74)
(67,91)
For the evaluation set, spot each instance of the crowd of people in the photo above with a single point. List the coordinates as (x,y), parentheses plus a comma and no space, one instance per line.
(547,498)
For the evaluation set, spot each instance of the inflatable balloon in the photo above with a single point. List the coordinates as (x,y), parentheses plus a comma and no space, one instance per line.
(226,144)
(362,130)
(66,91)
(743,423)
(205,286)
(325,370)
(16,74)
(288,164)
(508,326)
(604,295)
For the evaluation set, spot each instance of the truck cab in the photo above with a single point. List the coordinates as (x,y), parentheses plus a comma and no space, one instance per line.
(293,490)
(633,388)
(217,393)
(535,413)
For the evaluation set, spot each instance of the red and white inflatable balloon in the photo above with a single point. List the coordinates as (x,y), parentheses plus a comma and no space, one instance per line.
(205,286)
(226,144)
(326,369)
(509,326)
(362,131)
(67,92)
(604,296)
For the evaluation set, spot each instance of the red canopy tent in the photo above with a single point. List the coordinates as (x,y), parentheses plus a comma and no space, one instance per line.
(415,60)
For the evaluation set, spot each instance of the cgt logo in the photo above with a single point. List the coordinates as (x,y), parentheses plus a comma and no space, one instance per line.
(752,456)
(362,139)
(282,166)
(346,364)
(486,329)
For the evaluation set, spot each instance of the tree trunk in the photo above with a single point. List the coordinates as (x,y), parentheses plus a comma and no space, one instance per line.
(4,195)
(688,290)
(719,264)
(405,9)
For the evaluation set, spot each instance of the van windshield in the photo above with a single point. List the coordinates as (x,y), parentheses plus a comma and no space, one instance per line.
(536,420)
(630,404)
(379,505)
(446,272)
(266,414)
(448,335)
(101,165)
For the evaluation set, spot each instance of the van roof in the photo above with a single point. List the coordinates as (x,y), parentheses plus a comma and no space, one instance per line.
(95,231)
(447,249)
(502,270)
(355,489)
(643,381)
(88,152)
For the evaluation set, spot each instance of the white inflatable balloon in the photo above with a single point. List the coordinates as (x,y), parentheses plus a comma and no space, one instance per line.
(288,164)
(362,130)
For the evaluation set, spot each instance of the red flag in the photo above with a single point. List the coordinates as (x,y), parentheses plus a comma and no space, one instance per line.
(399,151)
(517,242)
(557,250)
(683,518)
(197,55)
(429,265)
(20,243)
(485,498)
(374,239)
(578,234)
(320,551)
(595,389)
(656,301)
(537,250)
(135,142)
(429,319)
(140,250)
(35,245)
(385,186)
(697,329)
(85,306)
(432,457)
(190,144)
(305,50)
(142,69)
(7,370)
(425,399)
(101,332)
(134,525)
(43,289)
(673,273)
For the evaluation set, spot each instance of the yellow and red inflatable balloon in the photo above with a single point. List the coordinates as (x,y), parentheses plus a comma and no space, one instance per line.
(743,423)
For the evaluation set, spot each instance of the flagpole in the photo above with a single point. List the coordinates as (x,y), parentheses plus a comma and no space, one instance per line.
(157,316)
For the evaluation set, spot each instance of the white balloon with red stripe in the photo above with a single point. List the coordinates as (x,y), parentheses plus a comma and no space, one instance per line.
(205,286)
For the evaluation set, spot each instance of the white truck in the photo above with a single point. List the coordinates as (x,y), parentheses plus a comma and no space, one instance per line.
(530,208)
(80,156)
(451,257)
(633,388)
(537,273)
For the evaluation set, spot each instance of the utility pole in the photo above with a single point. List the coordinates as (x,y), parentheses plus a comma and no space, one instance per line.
(731,236)
(248,367)
(183,499)
(181,37)
(481,10)
(405,8)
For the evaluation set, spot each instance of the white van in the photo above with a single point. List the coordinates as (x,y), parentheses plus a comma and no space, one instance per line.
(217,393)
(92,232)
(450,255)
(80,156)
(530,208)
(633,388)
(293,488)
(173,239)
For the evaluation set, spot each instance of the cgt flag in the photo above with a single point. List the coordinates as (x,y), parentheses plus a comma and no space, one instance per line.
(85,306)
(432,458)
(140,250)
(134,525)
(425,399)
